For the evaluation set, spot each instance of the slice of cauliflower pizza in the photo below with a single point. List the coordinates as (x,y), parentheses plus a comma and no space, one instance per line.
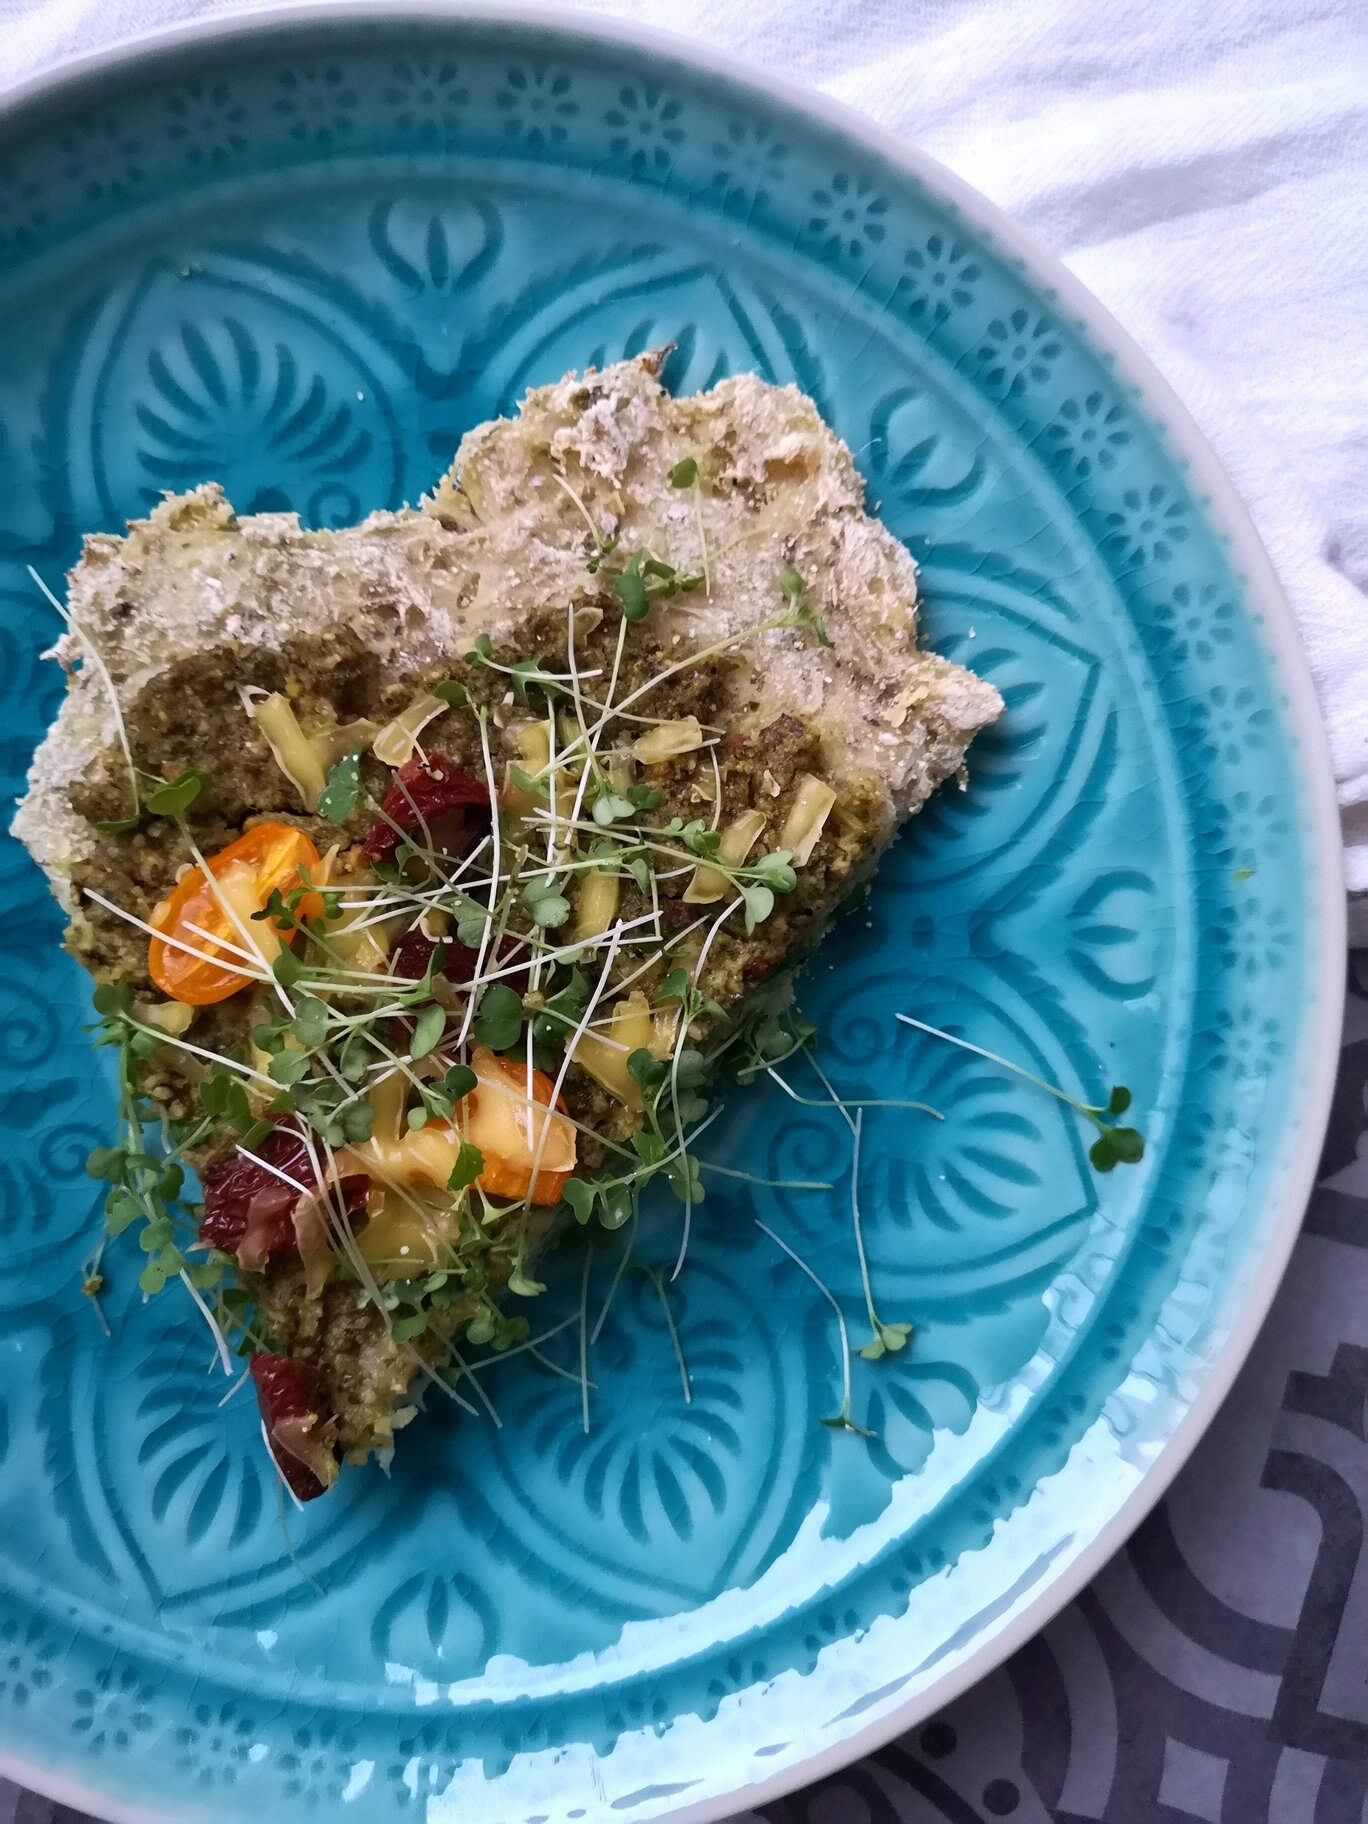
(431,871)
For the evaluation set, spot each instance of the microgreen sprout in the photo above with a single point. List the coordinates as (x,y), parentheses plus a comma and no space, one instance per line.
(341,794)
(887,1339)
(1114,1145)
(657,1279)
(842,1420)
(801,614)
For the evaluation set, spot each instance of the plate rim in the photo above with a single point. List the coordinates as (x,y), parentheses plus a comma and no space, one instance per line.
(1249,558)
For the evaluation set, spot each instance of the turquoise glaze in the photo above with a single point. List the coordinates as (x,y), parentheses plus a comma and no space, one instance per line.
(303,263)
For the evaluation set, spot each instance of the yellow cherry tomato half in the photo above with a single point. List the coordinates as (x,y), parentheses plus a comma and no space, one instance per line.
(214,918)
(509,1133)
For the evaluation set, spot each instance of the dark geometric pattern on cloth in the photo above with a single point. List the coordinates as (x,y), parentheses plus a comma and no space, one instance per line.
(1217,1671)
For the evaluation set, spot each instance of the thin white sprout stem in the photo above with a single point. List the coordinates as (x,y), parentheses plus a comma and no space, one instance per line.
(658,1283)
(680,1039)
(856,1223)
(442,1385)
(495,871)
(1017,1070)
(222,943)
(483,1397)
(266,1439)
(594,533)
(532,1342)
(687,663)
(624,1255)
(584,1339)
(556,1368)
(203,1051)
(220,1341)
(230,914)
(773,1184)
(702,535)
(91,651)
(567,1060)
(237,1385)
(328,1181)
(304,1189)
(172,942)
(833,1101)
(827,1086)
(831,1299)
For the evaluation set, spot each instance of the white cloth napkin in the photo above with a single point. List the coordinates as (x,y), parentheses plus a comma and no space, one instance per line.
(1203,169)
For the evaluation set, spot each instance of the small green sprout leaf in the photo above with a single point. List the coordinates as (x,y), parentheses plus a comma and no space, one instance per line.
(612,807)
(471,919)
(287,968)
(224,1098)
(888,1339)
(174,797)
(1116,1146)
(106,1162)
(310,1022)
(684,474)
(500,1018)
(469,1164)
(682,1175)
(453,693)
(530,671)
(535,788)
(579,1194)
(113,1000)
(545,905)
(339,796)
(775,871)
(428,1029)
(759,903)
(631,588)
(675,987)
(357,1120)
(616,1204)
(288,1067)
(647,1071)
(459,1081)
(800,612)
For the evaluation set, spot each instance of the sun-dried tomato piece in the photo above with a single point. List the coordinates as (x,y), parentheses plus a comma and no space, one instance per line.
(412,954)
(432,791)
(298,1430)
(249,1207)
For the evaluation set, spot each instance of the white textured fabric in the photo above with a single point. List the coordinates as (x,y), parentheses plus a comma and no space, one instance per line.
(1203,169)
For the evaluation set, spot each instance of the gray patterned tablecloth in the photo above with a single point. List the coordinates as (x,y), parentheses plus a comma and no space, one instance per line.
(1217,1670)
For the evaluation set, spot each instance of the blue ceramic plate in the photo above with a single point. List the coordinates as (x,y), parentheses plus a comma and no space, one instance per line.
(302,258)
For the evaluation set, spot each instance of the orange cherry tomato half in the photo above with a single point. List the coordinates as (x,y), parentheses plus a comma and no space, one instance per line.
(264,860)
(498,1120)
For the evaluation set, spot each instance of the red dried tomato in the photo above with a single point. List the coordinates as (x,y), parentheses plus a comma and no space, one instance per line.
(297,1428)
(249,1210)
(412,954)
(453,804)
